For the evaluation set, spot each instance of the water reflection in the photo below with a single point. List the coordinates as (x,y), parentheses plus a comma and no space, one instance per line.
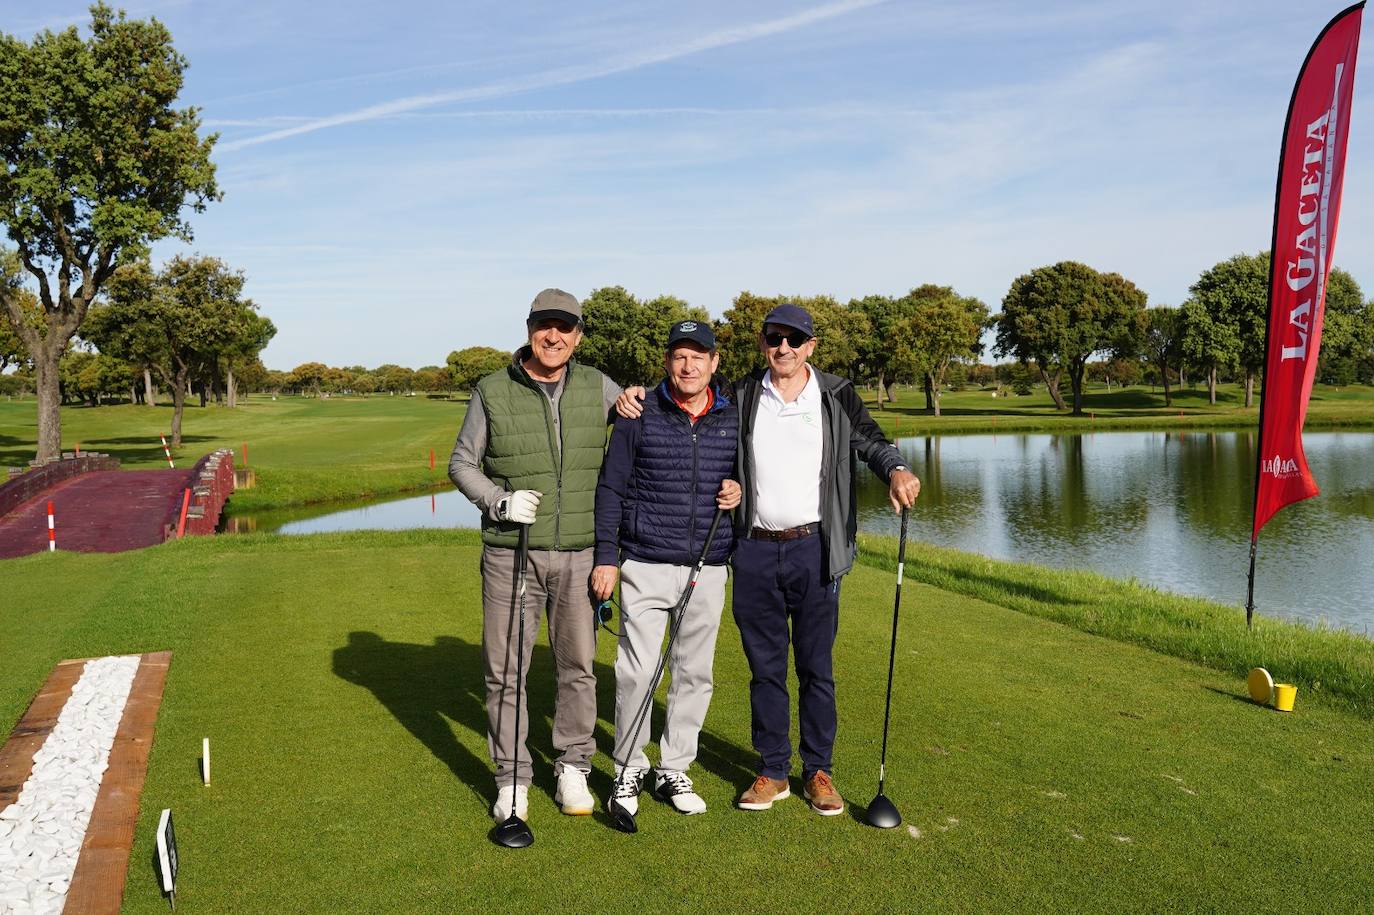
(440,509)
(1170,509)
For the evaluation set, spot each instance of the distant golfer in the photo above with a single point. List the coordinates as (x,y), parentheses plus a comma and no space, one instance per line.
(529,452)
(665,474)
(800,431)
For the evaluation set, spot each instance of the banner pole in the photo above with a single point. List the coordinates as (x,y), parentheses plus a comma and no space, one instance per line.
(1250,588)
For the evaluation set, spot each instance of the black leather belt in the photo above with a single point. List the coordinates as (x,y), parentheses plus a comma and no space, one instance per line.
(791,533)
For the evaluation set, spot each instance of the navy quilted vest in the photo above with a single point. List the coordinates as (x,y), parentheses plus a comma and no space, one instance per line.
(677,472)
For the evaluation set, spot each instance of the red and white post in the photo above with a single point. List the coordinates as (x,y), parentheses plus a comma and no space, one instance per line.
(167,451)
(52,531)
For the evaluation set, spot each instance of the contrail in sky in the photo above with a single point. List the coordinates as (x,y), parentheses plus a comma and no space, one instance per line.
(565,75)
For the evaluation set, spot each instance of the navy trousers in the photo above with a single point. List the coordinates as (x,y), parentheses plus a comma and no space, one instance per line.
(777,583)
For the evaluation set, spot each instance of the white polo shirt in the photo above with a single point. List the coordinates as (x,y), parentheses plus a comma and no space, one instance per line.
(786,448)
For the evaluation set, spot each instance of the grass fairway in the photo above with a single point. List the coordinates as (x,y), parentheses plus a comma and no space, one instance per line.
(339,679)
(303,449)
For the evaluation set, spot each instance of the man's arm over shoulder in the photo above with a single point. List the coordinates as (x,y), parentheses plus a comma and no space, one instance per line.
(612,488)
(866,437)
(465,463)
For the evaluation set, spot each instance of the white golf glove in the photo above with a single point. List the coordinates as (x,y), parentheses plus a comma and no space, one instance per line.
(519,506)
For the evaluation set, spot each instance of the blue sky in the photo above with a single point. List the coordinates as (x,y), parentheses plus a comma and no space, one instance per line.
(401,178)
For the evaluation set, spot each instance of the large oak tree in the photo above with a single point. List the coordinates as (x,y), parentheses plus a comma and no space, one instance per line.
(1059,316)
(97,164)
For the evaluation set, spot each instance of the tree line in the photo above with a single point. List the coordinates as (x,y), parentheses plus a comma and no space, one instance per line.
(1061,323)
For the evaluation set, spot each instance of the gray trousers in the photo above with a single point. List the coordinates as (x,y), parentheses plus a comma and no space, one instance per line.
(647,590)
(556,584)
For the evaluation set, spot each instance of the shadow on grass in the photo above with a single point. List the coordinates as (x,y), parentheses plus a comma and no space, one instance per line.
(132,449)
(1239,697)
(144,439)
(991,587)
(427,686)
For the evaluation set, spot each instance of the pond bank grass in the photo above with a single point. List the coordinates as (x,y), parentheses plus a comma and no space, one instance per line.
(1325,662)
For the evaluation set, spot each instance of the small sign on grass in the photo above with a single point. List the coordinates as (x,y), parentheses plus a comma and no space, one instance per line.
(167,861)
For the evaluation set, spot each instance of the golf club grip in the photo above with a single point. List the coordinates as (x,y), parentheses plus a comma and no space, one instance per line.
(522,550)
(901,542)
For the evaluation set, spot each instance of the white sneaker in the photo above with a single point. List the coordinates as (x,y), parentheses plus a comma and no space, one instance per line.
(628,783)
(676,788)
(572,794)
(501,809)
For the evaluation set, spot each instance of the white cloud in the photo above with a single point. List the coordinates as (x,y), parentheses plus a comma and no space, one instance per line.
(567,75)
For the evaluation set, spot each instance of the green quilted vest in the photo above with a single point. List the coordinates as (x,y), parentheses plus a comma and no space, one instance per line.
(522,454)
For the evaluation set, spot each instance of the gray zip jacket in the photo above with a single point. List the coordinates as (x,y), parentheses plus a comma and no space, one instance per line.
(848,432)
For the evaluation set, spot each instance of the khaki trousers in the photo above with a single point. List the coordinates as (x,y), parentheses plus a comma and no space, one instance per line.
(647,590)
(557,585)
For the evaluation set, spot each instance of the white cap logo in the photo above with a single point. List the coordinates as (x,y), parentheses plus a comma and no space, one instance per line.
(687,326)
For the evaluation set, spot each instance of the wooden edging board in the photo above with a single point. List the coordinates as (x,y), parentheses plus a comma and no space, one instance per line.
(98,882)
(16,756)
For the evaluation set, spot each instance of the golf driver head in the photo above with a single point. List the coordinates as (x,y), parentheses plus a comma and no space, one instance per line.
(882,813)
(621,818)
(513,832)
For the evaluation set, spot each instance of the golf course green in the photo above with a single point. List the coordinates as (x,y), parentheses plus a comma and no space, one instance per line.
(1060,741)
(339,680)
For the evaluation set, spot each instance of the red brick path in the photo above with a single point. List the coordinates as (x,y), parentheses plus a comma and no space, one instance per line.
(103,512)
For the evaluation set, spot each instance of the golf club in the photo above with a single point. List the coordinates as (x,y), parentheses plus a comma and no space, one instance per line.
(513,832)
(882,813)
(621,818)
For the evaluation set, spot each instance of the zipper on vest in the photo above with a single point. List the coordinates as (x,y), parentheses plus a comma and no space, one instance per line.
(696,480)
(558,478)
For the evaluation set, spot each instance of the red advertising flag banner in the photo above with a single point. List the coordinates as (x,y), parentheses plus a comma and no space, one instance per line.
(1306,209)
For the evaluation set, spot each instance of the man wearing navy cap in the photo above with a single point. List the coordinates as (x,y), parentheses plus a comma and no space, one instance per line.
(800,430)
(665,474)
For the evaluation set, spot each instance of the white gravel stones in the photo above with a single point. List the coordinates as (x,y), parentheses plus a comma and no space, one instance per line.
(41,832)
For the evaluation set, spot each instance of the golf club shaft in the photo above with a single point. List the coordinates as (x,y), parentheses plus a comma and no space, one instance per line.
(522,554)
(892,653)
(674,623)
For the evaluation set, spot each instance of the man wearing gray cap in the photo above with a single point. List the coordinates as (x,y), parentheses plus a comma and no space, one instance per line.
(529,452)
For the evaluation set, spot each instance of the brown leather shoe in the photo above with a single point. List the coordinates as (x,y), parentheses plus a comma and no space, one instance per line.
(820,791)
(763,792)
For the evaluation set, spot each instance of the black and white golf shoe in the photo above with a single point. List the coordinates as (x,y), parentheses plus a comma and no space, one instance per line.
(629,782)
(675,788)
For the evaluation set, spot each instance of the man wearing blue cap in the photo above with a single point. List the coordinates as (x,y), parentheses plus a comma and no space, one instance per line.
(665,474)
(800,431)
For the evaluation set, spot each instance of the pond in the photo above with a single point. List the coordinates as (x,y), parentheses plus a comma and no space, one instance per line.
(1168,509)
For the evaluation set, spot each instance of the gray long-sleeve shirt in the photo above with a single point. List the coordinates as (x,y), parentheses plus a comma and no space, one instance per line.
(465,463)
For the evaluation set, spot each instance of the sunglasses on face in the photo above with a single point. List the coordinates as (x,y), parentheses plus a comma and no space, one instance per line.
(795,339)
